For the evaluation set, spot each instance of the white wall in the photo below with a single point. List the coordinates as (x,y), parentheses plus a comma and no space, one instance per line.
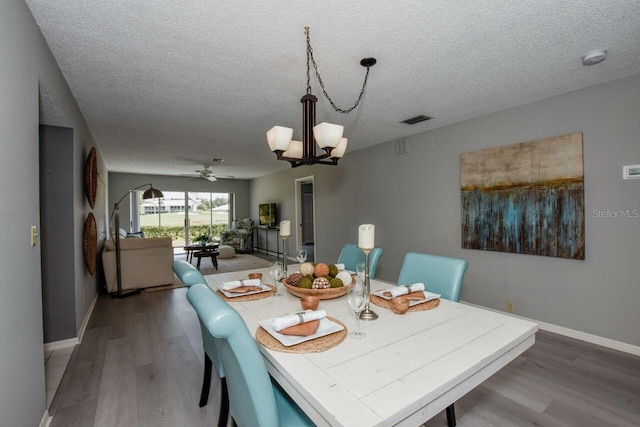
(414,201)
(25,58)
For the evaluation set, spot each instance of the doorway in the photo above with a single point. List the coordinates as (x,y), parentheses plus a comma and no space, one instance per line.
(305,216)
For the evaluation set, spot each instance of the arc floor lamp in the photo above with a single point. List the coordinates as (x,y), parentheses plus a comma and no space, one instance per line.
(150,193)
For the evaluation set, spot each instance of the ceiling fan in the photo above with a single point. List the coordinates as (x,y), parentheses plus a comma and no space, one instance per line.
(208,174)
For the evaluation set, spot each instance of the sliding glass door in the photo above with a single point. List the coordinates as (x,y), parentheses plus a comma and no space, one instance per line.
(185,216)
(210,216)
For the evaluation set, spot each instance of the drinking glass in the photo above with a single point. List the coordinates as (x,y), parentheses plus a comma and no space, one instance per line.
(301,255)
(356,302)
(276,273)
(360,271)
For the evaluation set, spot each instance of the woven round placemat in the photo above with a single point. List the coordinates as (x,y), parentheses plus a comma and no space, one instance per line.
(381,302)
(90,243)
(252,297)
(315,345)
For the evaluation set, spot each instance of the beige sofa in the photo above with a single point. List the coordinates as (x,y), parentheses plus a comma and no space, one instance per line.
(145,263)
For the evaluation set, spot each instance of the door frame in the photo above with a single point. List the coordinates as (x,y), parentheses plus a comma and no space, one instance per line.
(298,202)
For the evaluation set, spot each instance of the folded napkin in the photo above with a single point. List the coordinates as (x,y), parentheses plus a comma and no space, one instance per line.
(403,290)
(283,322)
(340,267)
(227,286)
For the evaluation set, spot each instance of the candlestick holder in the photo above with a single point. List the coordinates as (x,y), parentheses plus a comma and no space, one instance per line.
(367,313)
(284,255)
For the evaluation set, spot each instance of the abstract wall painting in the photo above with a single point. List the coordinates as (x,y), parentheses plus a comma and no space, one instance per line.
(525,198)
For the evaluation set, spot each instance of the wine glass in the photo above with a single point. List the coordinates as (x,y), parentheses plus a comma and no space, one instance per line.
(301,255)
(276,273)
(360,271)
(356,302)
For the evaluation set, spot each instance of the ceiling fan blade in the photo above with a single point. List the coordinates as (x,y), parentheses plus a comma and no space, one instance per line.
(211,178)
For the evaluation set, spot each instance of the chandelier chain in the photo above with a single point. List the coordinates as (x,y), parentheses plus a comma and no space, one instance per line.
(311,59)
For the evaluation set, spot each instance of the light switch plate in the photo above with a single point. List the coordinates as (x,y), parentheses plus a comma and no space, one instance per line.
(34,235)
(631,172)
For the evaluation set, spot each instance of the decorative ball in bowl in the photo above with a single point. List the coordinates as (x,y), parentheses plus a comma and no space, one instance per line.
(322,280)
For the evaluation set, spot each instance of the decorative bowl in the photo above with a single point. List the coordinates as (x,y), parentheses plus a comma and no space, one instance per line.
(320,293)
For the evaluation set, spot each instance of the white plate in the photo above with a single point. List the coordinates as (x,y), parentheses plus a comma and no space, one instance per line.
(228,294)
(428,296)
(326,327)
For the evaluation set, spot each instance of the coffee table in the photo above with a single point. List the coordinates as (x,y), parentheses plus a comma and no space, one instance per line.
(197,247)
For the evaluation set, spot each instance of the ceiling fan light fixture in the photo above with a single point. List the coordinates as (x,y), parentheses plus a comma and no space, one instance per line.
(327,136)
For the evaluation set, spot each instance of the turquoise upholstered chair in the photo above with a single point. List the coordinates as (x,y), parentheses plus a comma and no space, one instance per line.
(254,400)
(441,275)
(211,354)
(187,273)
(351,254)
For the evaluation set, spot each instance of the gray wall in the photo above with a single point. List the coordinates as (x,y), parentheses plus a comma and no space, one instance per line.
(57,232)
(26,59)
(414,201)
(121,183)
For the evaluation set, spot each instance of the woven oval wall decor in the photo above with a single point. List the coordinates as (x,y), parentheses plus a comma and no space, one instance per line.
(90,243)
(91,177)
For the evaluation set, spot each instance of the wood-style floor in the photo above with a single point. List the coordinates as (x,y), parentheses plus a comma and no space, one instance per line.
(140,364)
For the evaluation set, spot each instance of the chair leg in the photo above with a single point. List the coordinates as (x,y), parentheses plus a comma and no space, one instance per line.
(198,264)
(451,416)
(214,259)
(224,404)
(206,381)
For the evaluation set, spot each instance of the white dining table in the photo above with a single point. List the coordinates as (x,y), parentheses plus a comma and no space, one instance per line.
(409,367)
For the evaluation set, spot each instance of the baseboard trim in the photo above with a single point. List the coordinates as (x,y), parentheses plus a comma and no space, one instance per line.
(572,333)
(57,345)
(87,316)
(46,419)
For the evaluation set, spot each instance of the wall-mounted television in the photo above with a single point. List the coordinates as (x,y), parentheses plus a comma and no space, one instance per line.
(267,214)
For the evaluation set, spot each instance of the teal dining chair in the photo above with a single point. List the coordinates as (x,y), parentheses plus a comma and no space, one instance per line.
(187,273)
(255,400)
(211,354)
(441,275)
(351,254)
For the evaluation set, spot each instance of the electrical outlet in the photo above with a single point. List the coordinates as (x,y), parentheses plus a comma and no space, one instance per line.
(510,307)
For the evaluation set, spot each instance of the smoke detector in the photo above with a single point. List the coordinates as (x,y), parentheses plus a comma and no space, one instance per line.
(594,57)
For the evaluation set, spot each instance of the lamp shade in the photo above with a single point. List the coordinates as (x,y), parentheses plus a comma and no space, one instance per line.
(152,193)
(327,134)
(294,150)
(279,138)
(338,152)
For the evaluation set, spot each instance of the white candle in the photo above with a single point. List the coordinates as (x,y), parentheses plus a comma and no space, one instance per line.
(285,228)
(366,236)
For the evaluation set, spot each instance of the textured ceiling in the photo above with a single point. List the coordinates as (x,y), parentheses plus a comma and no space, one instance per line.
(167,85)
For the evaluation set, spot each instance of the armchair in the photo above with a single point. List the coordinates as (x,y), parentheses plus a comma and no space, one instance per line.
(239,236)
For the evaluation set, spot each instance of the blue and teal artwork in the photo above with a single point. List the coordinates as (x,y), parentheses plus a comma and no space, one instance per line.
(525,198)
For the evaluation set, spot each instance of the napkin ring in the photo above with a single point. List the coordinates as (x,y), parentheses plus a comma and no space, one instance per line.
(300,317)
(408,288)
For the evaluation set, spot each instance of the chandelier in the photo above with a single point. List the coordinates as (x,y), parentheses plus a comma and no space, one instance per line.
(327,135)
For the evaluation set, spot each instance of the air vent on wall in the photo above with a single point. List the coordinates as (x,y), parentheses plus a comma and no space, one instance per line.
(417,119)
